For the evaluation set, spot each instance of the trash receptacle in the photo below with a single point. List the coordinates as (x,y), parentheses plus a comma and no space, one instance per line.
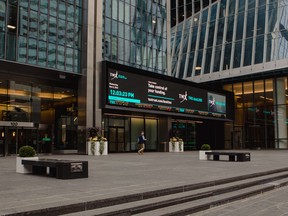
(164,146)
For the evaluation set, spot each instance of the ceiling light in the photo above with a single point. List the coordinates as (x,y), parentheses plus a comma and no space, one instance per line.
(153,21)
(11,27)
(198,68)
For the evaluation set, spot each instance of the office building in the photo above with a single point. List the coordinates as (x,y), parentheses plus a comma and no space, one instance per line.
(240,46)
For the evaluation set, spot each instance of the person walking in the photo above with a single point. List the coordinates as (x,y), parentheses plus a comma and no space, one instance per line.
(141,142)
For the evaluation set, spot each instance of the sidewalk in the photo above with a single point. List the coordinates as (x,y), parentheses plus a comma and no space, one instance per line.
(121,174)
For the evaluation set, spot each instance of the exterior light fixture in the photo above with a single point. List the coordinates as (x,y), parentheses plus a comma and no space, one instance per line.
(154,21)
(11,27)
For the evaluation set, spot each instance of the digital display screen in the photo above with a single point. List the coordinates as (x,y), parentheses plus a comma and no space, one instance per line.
(138,91)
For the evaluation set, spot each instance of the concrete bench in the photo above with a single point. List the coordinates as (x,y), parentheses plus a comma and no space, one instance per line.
(61,169)
(233,156)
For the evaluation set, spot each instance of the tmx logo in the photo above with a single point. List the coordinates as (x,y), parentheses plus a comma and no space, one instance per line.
(183,97)
(116,75)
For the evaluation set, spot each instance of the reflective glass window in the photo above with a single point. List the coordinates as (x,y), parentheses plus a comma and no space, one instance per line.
(23,22)
(43,27)
(121,11)
(259,49)
(250,23)
(237,54)
(61,9)
(108,8)
(32,51)
(182,66)
(2,42)
(217,58)
(208,61)
(2,15)
(248,52)
(227,56)
(69,59)
(78,15)
(42,53)
(61,32)
(198,63)
(240,24)
(76,60)
(51,55)
(70,13)
(53,7)
(33,24)
(70,34)
(11,47)
(34,4)
(115,9)
(44,6)
(60,57)
(78,36)
(22,49)
(52,29)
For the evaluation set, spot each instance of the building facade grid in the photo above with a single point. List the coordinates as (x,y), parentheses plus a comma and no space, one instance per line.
(227,36)
(135,33)
(42,33)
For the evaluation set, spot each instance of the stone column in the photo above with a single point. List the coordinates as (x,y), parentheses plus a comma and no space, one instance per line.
(280,113)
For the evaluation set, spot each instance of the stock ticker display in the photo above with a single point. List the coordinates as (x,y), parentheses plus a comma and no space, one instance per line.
(138,91)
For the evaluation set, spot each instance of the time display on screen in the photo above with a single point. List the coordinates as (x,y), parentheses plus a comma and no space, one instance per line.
(146,92)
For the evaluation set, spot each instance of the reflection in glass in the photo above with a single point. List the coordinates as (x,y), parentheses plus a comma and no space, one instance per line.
(32,49)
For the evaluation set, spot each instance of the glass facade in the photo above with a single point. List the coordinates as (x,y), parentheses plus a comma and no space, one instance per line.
(260,114)
(52,112)
(227,36)
(43,33)
(123,133)
(135,33)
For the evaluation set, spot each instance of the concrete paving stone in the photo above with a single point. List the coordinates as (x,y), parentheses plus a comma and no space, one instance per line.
(122,174)
(267,204)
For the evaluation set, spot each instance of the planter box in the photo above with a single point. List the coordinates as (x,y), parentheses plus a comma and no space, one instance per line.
(96,152)
(175,147)
(202,155)
(24,169)
(181,146)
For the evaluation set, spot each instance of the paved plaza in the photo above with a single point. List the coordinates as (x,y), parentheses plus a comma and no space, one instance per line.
(122,174)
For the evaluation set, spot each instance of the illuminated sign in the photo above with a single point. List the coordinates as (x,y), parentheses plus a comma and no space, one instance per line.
(136,90)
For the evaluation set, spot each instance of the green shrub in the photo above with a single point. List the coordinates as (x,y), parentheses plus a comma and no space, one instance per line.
(27,151)
(205,147)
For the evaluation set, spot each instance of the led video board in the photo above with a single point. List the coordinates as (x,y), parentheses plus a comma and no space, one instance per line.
(134,90)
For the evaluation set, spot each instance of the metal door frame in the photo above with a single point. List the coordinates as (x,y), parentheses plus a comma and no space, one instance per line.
(117,128)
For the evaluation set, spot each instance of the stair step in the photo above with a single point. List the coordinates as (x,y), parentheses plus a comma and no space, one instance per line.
(189,208)
(178,198)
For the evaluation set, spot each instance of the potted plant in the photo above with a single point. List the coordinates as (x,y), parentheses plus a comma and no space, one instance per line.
(97,144)
(25,152)
(204,148)
(173,145)
(181,145)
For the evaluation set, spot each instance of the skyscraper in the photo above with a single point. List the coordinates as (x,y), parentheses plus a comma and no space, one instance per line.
(241,46)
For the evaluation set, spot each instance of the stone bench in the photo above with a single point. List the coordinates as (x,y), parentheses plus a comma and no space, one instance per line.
(61,169)
(233,156)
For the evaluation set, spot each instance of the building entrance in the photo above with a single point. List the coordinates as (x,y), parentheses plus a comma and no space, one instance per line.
(116,139)
(187,132)
(14,135)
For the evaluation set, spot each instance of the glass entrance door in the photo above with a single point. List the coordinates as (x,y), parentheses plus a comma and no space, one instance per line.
(116,139)
(13,138)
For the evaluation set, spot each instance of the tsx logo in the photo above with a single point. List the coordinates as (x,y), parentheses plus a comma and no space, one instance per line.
(116,75)
(183,97)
